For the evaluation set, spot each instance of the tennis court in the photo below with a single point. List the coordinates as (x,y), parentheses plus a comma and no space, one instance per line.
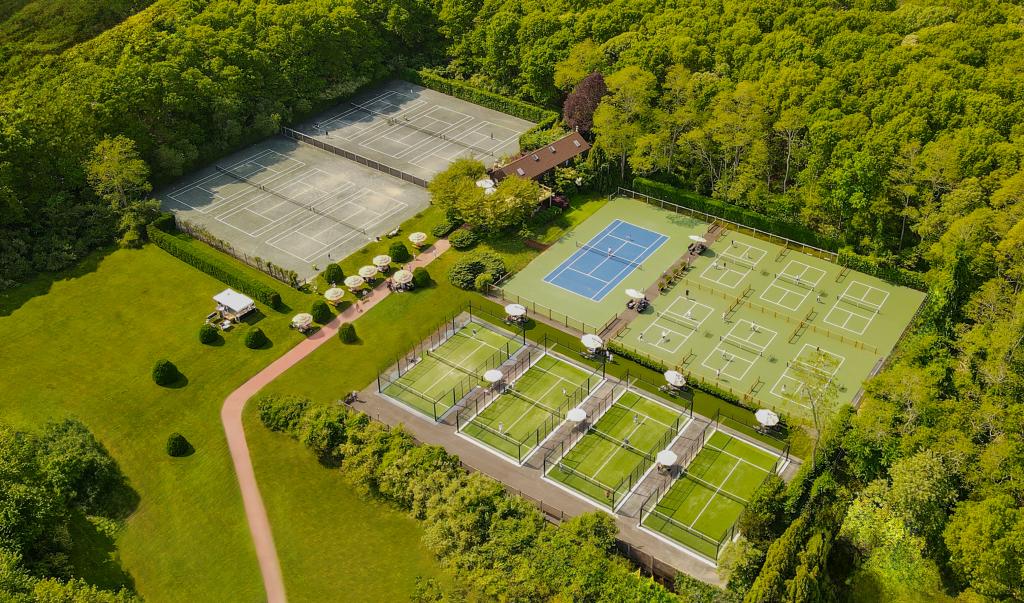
(703,504)
(416,130)
(618,449)
(601,263)
(436,379)
(518,419)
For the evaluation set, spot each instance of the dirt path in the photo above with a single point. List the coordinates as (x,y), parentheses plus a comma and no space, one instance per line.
(231,418)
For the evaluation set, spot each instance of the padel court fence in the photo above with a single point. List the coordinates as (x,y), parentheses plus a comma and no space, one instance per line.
(540,310)
(471,407)
(370,163)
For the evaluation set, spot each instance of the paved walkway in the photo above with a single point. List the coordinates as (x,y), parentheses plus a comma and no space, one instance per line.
(231,418)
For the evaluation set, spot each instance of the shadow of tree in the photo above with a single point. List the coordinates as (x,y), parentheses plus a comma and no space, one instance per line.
(41,284)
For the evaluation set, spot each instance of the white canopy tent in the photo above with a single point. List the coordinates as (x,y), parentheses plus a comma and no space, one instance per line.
(234,305)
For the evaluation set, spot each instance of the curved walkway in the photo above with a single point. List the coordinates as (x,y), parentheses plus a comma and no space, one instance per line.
(231,418)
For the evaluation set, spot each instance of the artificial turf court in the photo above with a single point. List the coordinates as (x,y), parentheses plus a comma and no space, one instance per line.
(518,419)
(618,449)
(701,507)
(440,376)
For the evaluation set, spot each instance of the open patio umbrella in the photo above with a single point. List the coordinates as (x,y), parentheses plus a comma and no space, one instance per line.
(417,238)
(334,294)
(633,293)
(354,282)
(368,271)
(382,261)
(576,415)
(303,320)
(675,378)
(493,376)
(698,239)
(515,310)
(766,417)
(666,458)
(402,277)
(591,341)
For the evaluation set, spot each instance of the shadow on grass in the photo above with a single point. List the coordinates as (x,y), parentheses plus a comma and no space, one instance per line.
(179,382)
(41,284)
(93,554)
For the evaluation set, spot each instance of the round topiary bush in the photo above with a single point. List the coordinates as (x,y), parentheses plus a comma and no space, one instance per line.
(207,333)
(255,338)
(347,332)
(321,312)
(421,278)
(164,372)
(334,274)
(399,252)
(177,445)
(483,282)
(442,229)
(462,239)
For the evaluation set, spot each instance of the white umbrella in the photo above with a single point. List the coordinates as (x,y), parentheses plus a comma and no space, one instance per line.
(675,378)
(591,341)
(334,294)
(354,281)
(635,294)
(302,320)
(515,310)
(698,239)
(576,415)
(417,238)
(493,376)
(666,457)
(382,261)
(401,277)
(766,417)
(368,271)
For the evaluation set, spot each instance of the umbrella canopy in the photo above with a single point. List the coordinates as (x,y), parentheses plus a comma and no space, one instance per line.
(354,281)
(368,271)
(698,239)
(382,261)
(675,378)
(766,417)
(515,310)
(591,341)
(635,294)
(402,277)
(334,294)
(417,238)
(576,415)
(493,376)
(667,457)
(302,320)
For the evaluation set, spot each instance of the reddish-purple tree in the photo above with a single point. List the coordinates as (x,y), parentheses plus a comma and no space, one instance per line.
(581,103)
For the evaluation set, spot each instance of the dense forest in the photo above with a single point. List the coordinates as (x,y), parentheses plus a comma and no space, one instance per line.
(895,127)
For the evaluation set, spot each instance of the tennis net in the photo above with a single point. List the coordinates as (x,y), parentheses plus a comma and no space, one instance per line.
(743,345)
(608,490)
(853,301)
(737,260)
(404,122)
(630,447)
(267,189)
(681,526)
(476,422)
(544,407)
(679,320)
(450,363)
(794,280)
(609,254)
(716,489)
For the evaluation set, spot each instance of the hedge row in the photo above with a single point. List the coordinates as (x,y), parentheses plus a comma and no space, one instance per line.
(217,267)
(874,267)
(544,133)
(488,99)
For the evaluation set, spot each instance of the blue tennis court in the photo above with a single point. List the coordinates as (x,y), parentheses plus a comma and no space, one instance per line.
(602,262)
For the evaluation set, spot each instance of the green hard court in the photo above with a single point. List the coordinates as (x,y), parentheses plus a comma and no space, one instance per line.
(517,420)
(701,507)
(432,384)
(610,458)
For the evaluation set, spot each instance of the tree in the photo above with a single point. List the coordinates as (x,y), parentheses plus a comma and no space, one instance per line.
(165,373)
(986,545)
(333,274)
(208,334)
(119,177)
(347,333)
(421,278)
(321,312)
(620,117)
(399,252)
(455,186)
(579,107)
(584,58)
(255,338)
(177,445)
(816,389)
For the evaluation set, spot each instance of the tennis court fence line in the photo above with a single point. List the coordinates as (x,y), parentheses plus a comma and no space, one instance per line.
(370,163)
(555,316)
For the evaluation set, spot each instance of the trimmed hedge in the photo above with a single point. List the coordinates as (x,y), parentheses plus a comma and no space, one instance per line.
(444,228)
(211,263)
(165,373)
(399,252)
(207,334)
(544,133)
(177,445)
(478,96)
(255,338)
(321,312)
(421,278)
(873,266)
(462,239)
(347,333)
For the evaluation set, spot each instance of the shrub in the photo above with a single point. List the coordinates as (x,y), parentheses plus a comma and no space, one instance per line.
(255,338)
(464,272)
(483,282)
(347,332)
(281,413)
(462,239)
(164,372)
(334,273)
(421,278)
(321,312)
(468,92)
(444,228)
(545,215)
(399,252)
(207,333)
(177,445)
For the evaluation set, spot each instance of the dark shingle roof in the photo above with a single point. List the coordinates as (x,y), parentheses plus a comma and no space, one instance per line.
(540,161)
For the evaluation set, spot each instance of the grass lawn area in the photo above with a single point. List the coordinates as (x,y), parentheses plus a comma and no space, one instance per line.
(333,544)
